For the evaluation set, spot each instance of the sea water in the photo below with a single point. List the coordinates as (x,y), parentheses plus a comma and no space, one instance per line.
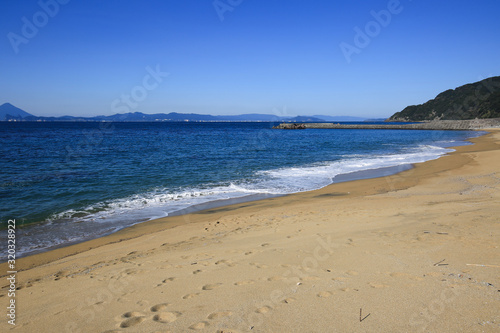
(70,182)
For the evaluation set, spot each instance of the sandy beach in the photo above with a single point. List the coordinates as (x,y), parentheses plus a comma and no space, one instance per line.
(413,252)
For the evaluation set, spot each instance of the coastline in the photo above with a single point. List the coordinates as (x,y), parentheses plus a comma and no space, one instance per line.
(345,177)
(72,248)
(93,204)
(221,236)
(77,224)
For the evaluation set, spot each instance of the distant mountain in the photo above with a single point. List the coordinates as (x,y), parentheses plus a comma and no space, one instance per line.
(10,112)
(303,119)
(341,118)
(251,117)
(270,117)
(139,116)
(475,100)
(374,119)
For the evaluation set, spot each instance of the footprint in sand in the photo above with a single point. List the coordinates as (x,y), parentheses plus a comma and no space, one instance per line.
(211,286)
(159,307)
(325,294)
(257,265)
(168,279)
(225,262)
(132,322)
(188,296)
(21,286)
(264,309)
(377,285)
(130,271)
(352,273)
(166,317)
(243,283)
(133,314)
(288,300)
(61,274)
(217,315)
(199,326)
(143,303)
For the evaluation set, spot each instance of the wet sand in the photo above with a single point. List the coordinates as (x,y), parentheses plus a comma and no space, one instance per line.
(413,252)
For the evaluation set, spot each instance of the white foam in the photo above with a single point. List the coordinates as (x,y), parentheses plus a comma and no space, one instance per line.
(107,217)
(279,181)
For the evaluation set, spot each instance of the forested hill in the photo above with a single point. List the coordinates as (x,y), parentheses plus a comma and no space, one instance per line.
(475,100)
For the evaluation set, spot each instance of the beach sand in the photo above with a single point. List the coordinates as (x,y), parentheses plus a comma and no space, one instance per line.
(413,252)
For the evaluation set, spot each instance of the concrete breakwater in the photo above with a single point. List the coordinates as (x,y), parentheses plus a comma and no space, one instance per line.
(432,125)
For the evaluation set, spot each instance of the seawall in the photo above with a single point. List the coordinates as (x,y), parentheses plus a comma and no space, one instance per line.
(432,125)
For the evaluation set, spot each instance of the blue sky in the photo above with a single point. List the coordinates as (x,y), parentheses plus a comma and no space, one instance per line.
(277,57)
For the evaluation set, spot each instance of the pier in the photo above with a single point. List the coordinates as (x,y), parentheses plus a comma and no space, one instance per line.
(457,125)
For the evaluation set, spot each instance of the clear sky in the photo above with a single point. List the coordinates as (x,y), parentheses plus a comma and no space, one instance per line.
(286,57)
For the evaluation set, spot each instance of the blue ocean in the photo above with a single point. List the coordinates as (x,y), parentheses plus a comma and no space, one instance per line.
(70,182)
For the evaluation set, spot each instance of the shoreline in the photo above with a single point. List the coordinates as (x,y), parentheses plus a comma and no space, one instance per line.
(125,234)
(378,225)
(47,241)
(346,177)
(210,205)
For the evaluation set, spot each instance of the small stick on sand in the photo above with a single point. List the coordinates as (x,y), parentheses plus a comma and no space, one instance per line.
(479,265)
(360,315)
(440,263)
